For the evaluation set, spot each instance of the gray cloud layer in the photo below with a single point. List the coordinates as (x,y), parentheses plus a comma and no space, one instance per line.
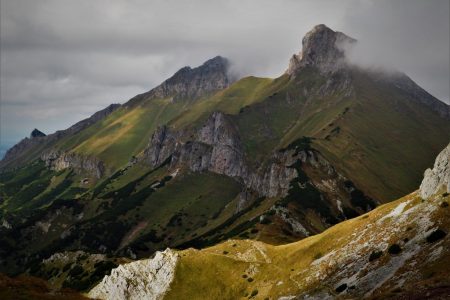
(63,60)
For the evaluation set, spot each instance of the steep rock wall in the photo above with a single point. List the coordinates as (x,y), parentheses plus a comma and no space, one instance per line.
(143,279)
(439,177)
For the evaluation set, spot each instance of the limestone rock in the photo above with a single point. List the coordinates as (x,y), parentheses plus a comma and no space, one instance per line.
(321,48)
(143,279)
(191,83)
(437,178)
(60,160)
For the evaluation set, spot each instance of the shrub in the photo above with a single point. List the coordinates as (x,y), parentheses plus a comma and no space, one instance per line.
(341,288)
(265,221)
(394,249)
(75,271)
(225,252)
(254,293)
(250,279)
(375,255)
(436,236)
(67,267)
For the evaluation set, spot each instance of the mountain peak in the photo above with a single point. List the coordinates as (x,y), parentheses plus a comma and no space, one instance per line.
(218,61)
(321,48)
(191,83)
(36,133)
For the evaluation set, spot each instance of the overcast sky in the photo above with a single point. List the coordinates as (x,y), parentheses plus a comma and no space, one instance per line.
(62,60)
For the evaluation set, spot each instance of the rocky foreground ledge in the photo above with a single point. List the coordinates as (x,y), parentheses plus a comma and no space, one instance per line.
(143,279)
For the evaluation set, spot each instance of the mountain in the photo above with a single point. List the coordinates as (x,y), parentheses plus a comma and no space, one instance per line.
(398,251)
(36,133)
(203,158)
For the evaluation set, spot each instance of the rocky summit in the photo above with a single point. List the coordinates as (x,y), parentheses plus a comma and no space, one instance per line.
(322,48)
(188,83)
(36,133)
(302,186)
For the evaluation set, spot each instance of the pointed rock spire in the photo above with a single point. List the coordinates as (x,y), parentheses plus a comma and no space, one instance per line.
(321,48)
(36,133)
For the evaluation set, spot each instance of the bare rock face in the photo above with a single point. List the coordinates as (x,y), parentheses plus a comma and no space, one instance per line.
(274,180)
(321,48)
(36,133)
(215,147)
(60,160)
(191,83)
(437,178)
(161,146)
(143,279)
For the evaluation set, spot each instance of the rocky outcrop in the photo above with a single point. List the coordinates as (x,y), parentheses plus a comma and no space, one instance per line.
(215,147)
(143,279)
(321,48)
(60,160)
(36,133)
(191,83)
(438,178)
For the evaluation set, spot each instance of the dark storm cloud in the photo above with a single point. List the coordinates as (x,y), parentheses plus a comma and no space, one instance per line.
(62,60)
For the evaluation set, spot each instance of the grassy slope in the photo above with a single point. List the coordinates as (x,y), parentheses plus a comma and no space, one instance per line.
(122,134)
(245,92)
(195,198)
(315,263)
(384,135)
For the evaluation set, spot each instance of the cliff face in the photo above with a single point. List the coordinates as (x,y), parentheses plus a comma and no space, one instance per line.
(144,279)
(438,178)
(321,48)
(60,160)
